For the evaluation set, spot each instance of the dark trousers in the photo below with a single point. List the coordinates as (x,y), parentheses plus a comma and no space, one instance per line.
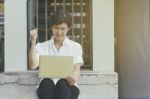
(62,90)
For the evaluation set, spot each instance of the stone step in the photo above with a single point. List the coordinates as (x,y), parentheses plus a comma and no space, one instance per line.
(92,85)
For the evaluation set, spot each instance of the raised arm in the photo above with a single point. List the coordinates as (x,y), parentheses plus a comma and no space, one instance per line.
(33,61)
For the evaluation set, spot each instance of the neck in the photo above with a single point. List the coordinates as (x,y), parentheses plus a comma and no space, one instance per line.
(58,42)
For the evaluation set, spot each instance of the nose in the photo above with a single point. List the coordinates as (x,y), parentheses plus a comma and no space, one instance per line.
(59,31)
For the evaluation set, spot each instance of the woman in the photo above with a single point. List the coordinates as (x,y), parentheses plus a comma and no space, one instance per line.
(59,45)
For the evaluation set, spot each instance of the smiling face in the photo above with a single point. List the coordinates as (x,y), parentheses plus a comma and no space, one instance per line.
(60,31)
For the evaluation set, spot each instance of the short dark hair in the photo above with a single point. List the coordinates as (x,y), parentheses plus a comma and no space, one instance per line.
(59,17)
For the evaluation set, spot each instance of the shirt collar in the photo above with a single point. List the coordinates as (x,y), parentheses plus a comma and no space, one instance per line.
(65,42)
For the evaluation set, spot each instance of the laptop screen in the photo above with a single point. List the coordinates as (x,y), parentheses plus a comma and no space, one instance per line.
(55,66)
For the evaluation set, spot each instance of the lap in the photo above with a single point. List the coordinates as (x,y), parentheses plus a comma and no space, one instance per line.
(61,87)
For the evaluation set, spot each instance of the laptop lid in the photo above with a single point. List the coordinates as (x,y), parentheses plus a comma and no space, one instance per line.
(55,66)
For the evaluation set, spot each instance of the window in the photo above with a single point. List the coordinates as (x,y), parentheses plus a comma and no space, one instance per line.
(1,35)
(39,12)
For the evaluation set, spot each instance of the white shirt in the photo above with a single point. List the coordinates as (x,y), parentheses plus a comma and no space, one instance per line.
(69,48)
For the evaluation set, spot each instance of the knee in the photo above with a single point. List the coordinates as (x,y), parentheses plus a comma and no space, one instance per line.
(47,83)
(62,90)
(46,89)
(62,82)
(76,90)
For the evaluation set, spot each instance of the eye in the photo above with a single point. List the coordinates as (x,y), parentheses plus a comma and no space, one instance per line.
(63,29)
(57,28)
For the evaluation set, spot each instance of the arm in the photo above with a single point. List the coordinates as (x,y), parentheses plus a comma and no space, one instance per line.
(78,60)
(75,76)
(33,61)
(76,72)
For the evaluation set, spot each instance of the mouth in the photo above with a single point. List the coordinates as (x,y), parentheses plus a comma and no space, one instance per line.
(59,35)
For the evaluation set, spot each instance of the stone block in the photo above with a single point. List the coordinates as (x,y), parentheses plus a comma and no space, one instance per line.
(92,85)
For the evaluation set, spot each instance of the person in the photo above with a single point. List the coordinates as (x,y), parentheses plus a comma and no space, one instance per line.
(58,45)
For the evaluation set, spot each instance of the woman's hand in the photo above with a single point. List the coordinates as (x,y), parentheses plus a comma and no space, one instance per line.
(71,80)
(33,34)
(75,75)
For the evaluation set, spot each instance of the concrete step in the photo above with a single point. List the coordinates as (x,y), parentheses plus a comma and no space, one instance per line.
(93,85)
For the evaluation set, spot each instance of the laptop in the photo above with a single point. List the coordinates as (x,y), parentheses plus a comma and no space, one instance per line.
(55,66)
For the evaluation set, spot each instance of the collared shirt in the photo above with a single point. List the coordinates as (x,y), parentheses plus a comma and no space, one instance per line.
(69,48)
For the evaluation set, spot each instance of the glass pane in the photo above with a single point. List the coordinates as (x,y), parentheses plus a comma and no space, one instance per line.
(1,36)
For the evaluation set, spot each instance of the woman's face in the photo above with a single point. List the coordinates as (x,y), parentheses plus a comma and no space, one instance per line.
(60,31)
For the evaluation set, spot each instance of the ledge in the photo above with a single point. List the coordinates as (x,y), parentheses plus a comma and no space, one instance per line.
(93,85)
(31,78)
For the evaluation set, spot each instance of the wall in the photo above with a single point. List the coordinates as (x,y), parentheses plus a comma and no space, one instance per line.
(103,35)
(132,48)
(15,35)
(101,83)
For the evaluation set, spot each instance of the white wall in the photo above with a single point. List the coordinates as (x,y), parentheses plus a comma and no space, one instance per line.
(103,35)
(15,35)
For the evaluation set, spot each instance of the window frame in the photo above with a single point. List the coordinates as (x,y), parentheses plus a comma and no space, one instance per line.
(36,24)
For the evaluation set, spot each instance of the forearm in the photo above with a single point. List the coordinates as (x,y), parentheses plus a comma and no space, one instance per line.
(33,61)
(72,79)
(76,72)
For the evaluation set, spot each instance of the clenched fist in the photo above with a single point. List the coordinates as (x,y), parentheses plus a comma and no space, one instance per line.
(33,34)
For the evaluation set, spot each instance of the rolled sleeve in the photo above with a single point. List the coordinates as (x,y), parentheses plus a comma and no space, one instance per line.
(78,59)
